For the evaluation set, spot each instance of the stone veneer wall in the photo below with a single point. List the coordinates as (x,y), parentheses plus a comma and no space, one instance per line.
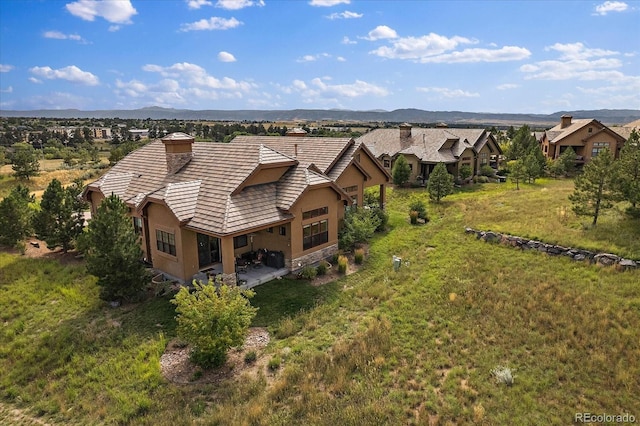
(177,160)
(295,265)
(606,259)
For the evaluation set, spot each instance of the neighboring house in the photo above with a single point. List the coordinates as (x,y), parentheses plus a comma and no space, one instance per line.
(203,205)
(625,131)
(425,148)
(587,137)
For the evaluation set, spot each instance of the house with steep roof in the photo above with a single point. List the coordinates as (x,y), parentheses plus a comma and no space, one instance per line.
(587,137)
(626,129)
(425,148)
(203,206)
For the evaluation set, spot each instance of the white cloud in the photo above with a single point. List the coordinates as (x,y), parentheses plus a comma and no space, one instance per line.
(195,75)
(381,32)
(341,59)
(238,4)
(5,67)
(610,6)
(226,57)
(576,62)
(346,40)
(61,36)
(114,11)
(197,4)
(507,86)
(7,90)
(70,73)
(313,58)
(328,3)
(420,47)
(35,80)
(506,53)
(353,90)
(345,15)
(213,23)
(448,93)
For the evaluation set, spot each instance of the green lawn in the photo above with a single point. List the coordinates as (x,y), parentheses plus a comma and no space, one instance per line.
(376,347)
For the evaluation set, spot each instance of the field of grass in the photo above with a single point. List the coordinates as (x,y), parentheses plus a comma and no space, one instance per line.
(415,346)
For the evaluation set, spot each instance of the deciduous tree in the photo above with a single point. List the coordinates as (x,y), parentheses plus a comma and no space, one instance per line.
(212,319)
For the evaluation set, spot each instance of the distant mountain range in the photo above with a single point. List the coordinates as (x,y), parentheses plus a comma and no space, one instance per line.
(410,115)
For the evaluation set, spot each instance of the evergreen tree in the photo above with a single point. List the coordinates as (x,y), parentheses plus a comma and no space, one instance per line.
(61,217)
(15,216)
(522,143)
(628,183)
(568,161)
(517,173)
(401,171)
(594,188)
(25,161)
(440,183)
(532,167)
(112,251)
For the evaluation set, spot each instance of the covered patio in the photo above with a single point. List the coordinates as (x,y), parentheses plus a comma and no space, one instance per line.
(246,277)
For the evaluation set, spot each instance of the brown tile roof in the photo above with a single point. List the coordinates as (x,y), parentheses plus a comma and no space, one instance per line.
(425,144)
(556,133)
(203,195)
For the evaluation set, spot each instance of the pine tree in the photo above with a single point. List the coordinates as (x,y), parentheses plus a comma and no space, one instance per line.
(629,171)
(532,167)
(517,173)
(60,219)
(112,251)
(401,171)
(568,161)
(15,216)
(594,188)
(440,183)
(24,161)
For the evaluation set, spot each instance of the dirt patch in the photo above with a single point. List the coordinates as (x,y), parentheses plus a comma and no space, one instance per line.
(37,249)
(333,274)
(177,368)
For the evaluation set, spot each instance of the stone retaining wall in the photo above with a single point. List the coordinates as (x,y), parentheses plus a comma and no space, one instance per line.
(606,259)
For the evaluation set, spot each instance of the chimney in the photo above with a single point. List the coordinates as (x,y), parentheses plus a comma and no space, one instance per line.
(405,135)
(178,148)
(565,121)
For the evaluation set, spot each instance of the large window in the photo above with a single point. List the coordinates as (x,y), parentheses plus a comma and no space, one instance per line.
(484,158)
(166,242)
(137,225)
(315,213)
(240,241)
(599,147)
(315,234)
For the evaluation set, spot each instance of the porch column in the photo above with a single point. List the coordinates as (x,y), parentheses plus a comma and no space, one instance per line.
(228,260)
(382,198)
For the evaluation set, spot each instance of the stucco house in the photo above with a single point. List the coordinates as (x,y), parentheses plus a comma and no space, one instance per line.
(204,206)
(425,148)
(587,137)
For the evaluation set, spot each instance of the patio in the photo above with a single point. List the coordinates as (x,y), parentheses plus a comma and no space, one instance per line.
(247,277)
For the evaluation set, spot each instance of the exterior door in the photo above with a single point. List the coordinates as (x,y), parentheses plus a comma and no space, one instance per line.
(208,250)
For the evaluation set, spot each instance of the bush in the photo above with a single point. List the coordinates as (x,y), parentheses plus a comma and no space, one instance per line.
(358,256)
(503,375)
(274,364)
(487,171)
(342,264)
(413,217)
(308,273)
(359,225)
(213,319)
(321,269)
(465,172)
(250,357)
(483,179)
(419,207)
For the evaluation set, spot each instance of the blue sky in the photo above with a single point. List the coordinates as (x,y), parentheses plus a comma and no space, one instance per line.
(477,56)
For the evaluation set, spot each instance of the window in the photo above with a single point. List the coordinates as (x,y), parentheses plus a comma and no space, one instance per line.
(283,230)
(240,241)
(166,242)
(386,164)
(315,234)
(484,158)
(270,230)
(410,166)
(137,225)
(590,129)
(315,213)
(353,188)
(466,158)
(598,147)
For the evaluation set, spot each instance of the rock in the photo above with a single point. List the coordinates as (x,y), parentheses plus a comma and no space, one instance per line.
(626,264)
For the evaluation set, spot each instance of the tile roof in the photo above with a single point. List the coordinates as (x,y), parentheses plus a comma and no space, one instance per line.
(202,194)
(557,132)
(429,145)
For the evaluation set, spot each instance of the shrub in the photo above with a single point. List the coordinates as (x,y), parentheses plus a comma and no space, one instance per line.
(487,170)
(359,225)
(413,217)
(274,364)
(308,273)
(465,172)
(342,264)
(483,179)
(321,269)
(503,375)
(250,357)
(358,256)
(213,319)
(419,207)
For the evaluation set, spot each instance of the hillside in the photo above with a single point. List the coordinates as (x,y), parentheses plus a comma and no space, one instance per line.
(606,116)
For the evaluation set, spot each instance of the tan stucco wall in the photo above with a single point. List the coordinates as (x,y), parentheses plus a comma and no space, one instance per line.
(314,199)
(582,142)
(377,177)
(352,177)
